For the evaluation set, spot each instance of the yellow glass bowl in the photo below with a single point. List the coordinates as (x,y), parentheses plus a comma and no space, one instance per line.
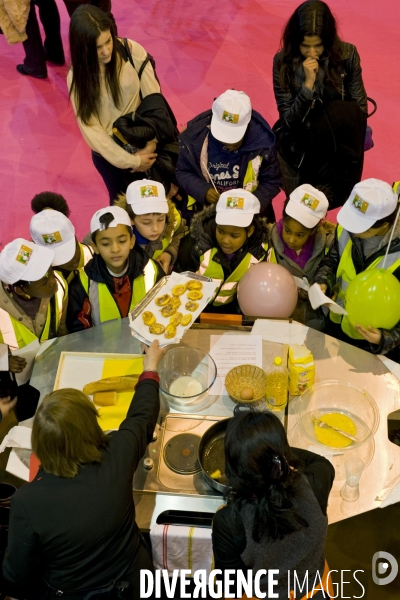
(246,376)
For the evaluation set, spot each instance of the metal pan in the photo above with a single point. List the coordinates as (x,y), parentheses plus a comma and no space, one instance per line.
(212,455)
(212,451)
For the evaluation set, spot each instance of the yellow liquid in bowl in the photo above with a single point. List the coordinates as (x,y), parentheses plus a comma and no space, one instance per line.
(332,438)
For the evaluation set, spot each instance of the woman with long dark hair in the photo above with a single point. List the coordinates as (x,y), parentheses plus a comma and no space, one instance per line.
(275,516)
(72,529)
(322,105)
(103,85)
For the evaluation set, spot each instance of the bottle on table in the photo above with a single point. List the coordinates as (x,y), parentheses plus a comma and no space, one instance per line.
(277,385)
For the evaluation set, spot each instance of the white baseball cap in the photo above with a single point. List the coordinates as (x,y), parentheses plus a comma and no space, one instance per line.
(120,215)
(369,201)
(231,114)
(146,196)
(236,207)
(307,205)
(23,260)
(52,228)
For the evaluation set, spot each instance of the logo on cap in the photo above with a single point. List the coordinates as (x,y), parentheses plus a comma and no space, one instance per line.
(52,238)
(230,117)
(24,255)
(309,201)
(147,191)
(360,204)
(235,203)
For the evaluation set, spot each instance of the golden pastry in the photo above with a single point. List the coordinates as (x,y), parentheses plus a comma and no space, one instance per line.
(192,306)
(111,384)
(170,332)
(163,300)
(178,290)
(194,295)
(186,319)
(175,301)
(148,318)
(168,310)
(193,284)
(156,329)
(176,319)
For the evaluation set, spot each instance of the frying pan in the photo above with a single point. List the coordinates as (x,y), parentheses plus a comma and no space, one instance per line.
(212,452)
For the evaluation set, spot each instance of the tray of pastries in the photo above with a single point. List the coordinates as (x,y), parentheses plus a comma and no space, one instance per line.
(171,306)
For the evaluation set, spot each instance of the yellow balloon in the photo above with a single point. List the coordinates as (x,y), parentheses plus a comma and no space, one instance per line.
(373,299)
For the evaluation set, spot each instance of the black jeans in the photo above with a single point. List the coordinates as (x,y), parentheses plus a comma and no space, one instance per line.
(115,179)
(35,52)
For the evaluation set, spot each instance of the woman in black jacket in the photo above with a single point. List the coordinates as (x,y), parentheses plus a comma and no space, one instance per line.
(322,105)
(72,530)
(275,516)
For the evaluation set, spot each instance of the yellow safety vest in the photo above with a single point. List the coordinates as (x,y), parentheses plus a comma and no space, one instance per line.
(250,182)
(104,307)
(227,289)
(167,240)
(271,257)
(396,187)
(16,335)
(346,272)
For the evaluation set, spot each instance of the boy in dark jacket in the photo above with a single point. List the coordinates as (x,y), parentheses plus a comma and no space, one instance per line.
(116,279)
(228,147)
(224,242)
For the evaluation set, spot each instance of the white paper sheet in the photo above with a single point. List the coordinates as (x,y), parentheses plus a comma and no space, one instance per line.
(17,437)
(281,332)
(3,357)
(29,354)
(302,283)
(318,298)
(44,345)
(16,467)
(230,351)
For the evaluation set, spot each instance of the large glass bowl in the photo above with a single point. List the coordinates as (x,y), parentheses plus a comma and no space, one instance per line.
(342,397)
(186,375)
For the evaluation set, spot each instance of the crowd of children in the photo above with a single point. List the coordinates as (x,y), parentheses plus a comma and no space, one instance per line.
(53,284)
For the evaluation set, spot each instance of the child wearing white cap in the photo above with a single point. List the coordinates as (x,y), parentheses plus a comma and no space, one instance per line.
(299,241)
(366,222)
(226,148)
(33,301)
(224,242)
(50,227)
(156,223)
(116,279)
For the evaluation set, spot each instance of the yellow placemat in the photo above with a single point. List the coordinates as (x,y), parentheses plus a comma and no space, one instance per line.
(111,417)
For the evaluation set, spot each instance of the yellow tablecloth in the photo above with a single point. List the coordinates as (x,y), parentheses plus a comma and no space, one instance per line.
(111,417)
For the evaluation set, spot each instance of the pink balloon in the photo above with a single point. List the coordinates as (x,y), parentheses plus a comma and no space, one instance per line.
(267,290)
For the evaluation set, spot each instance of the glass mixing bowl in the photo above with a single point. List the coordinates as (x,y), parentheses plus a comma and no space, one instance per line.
(186,375)
(339,397)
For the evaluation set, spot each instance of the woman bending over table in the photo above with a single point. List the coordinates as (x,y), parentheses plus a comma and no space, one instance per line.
(103,86)
(72,530)
(275,516)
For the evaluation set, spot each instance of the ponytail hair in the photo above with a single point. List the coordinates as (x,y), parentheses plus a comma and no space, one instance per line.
(257,466)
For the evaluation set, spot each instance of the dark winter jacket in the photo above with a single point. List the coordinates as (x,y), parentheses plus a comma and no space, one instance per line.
(258,141)
(324,237)
(79,312)
(294,105)
(327,274)
(202,238)
(321,132)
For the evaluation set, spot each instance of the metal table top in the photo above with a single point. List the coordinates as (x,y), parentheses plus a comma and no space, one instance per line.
(334,360)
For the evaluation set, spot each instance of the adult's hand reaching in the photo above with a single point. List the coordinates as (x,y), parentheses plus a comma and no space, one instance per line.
(153,356)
